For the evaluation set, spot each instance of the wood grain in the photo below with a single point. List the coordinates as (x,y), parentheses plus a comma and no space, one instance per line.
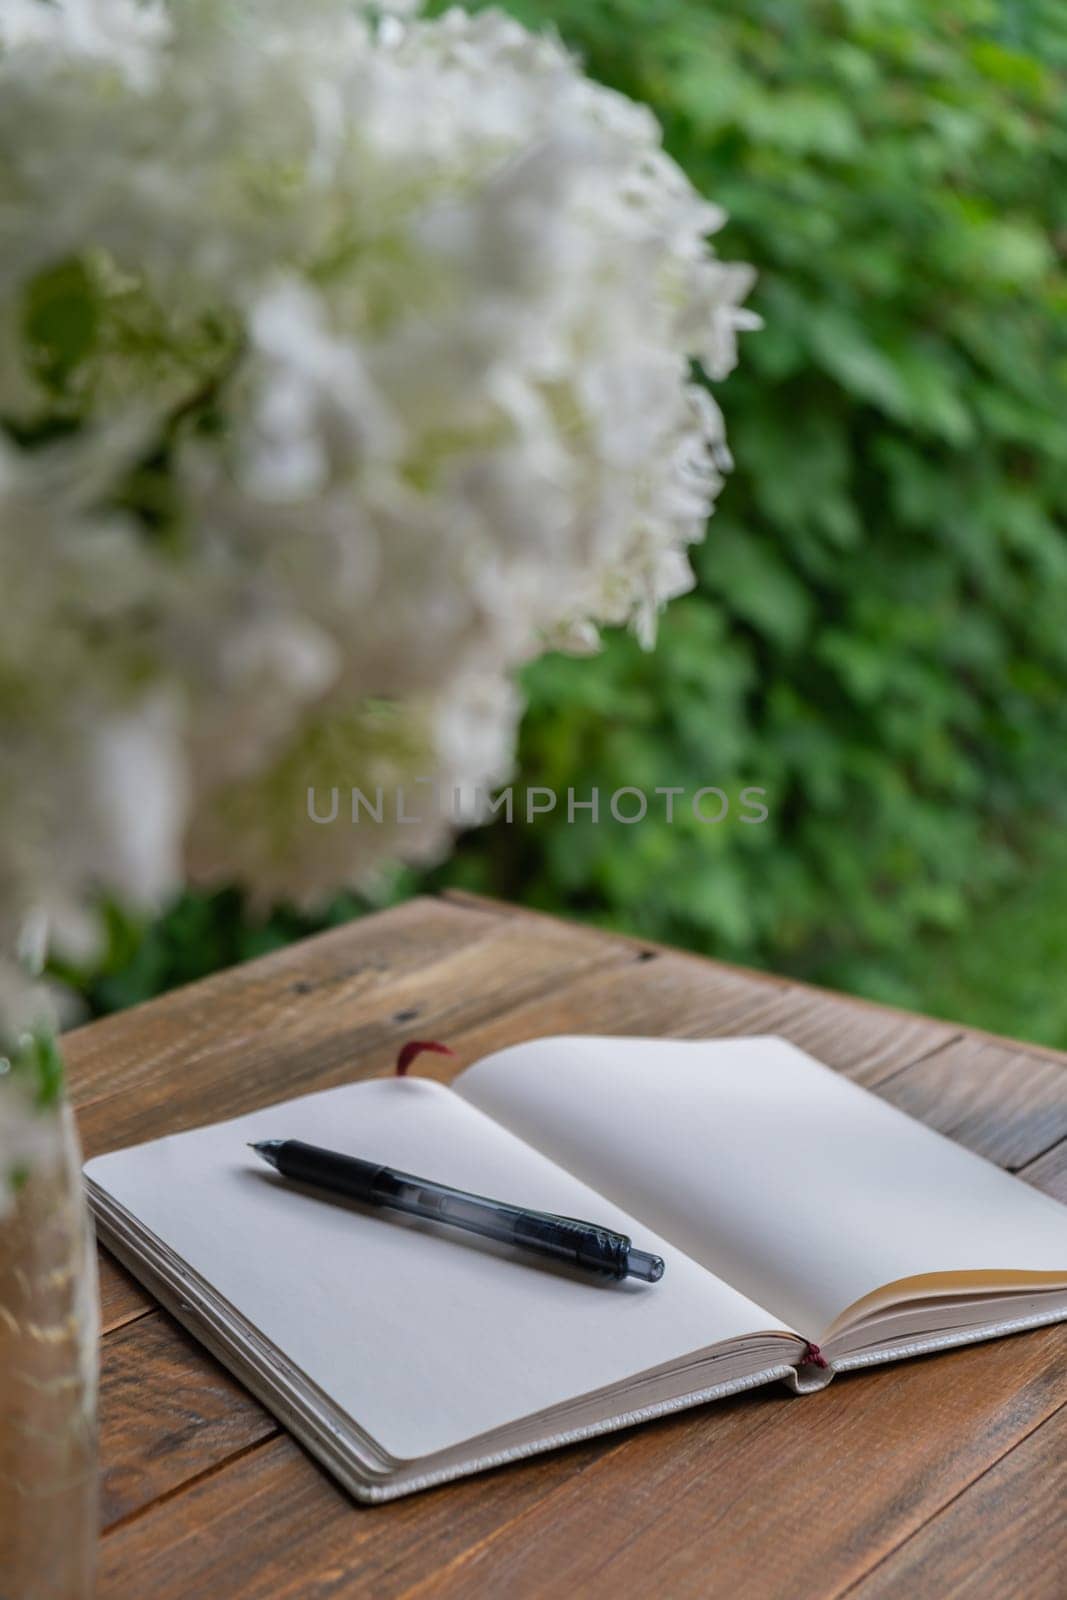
(841,1477)
(292,1027)
(866,1042)
(661,997)
(763,1496)
(1007,1105)
(301,1538)
(760,1500)
(121,1297)
(673,996)
(972,1548)
(1049,1171)
(875,1008)
(168,1413)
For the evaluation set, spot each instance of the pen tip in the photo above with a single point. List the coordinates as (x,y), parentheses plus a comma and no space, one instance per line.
(266,1149)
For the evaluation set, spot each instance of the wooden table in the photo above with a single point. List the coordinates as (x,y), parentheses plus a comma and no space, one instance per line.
(941,1476)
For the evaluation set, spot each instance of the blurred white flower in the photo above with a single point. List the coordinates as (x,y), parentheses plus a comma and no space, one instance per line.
(124,35)
(345,365)
(87,761)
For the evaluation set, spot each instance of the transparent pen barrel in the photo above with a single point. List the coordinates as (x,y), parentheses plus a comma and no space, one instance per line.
(562,1239)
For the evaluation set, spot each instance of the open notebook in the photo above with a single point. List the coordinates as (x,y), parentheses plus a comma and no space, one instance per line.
(791,1207)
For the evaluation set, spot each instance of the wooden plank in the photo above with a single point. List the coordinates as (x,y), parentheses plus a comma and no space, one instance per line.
(285,988)
(1049,1171)
(1008,1105)
(273,1527)
(777,1496)
(168,1412)
(1003,1537)
(468,900)
(662,997)
(681,997)
(285,992)
(874,1008)
(121,1297)
(795,1500)
(338,1014)
(867,1043)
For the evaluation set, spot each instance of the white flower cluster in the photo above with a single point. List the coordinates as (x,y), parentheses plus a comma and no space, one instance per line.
(345,365)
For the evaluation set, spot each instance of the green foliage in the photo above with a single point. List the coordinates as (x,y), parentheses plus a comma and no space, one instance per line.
(59,323)
(878,634)
(199,934)
(1006,977)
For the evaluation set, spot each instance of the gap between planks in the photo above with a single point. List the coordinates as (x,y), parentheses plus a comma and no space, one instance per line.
(194,1480)
(900,1551)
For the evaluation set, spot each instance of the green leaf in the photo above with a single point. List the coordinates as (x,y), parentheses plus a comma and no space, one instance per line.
(37,1059)
(60,320)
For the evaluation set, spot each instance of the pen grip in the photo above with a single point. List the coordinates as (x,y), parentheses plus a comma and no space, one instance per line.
(566,1239)
(327,1169)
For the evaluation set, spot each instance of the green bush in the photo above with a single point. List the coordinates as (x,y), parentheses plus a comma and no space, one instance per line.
(879,636)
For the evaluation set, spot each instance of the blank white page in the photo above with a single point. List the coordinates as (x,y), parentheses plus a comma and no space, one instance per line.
(784,1178)
(424,1338)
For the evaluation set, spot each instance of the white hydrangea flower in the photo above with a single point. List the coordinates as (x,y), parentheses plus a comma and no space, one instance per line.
(374,783)
(403,312)
(93,768)
(121,35)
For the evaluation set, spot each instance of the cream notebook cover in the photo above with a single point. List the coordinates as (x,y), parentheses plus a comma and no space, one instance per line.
(793,1209)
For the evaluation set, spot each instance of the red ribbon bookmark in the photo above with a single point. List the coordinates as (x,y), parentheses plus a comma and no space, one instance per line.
(415,1047)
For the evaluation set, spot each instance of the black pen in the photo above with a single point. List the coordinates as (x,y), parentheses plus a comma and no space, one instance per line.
(565,1239)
